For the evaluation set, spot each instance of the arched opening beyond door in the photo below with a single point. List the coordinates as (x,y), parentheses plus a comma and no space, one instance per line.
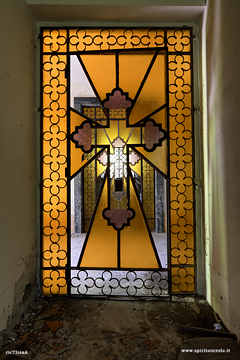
(117,162)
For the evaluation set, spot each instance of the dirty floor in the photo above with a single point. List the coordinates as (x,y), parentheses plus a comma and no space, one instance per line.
(94,329)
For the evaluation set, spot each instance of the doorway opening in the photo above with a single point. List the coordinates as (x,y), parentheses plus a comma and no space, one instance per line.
(117,162)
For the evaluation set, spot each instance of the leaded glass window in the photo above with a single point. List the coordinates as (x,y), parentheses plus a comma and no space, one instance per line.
(117,162)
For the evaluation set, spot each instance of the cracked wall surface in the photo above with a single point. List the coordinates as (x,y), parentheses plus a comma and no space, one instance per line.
(17,148)
(222,192)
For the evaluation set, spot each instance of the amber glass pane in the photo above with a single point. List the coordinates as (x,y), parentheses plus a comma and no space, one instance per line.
(101,248)
(135,136)
(54,282)
(127,133)
(122,38)
(117,128)
(153,94)
(136,247)
(101,69)
(102,138)
(181,164)
(179,40)
(54,150)
(183,279)
(132,68)
(161,118)
(76,154)
(55,253)
(112,131)
(54,40)
(158,157)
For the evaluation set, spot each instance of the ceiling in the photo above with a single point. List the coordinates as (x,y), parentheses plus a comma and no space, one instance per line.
(122,11)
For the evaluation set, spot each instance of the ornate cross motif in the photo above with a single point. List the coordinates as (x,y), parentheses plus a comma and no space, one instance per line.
(118,161)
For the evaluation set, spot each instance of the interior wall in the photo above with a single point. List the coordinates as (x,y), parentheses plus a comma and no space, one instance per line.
(222,161)
(17,149)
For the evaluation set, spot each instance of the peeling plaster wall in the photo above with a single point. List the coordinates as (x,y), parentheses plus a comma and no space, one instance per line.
(222,159)
(17,149)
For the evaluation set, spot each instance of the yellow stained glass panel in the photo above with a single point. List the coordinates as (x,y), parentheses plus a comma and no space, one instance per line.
(161,118)
(77,160)
(183,279)
(153,94)
(136,247)
(158,157)
(54,282)
(54,149)
(54,40)
(54,144)
(132,69)
(101,248)
(101,69)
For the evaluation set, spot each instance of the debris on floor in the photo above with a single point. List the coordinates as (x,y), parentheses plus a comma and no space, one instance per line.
(95,329)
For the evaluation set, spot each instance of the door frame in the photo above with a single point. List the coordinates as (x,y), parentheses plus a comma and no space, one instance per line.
(61,270)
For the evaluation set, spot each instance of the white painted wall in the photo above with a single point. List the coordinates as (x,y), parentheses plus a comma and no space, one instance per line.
(17,159)
(222,158)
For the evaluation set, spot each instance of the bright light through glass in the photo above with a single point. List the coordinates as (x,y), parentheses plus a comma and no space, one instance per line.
(118,161)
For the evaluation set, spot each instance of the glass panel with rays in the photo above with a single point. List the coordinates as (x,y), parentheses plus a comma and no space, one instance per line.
(113,191)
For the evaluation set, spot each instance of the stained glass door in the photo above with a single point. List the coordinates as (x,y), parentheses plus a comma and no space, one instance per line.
(117,163)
